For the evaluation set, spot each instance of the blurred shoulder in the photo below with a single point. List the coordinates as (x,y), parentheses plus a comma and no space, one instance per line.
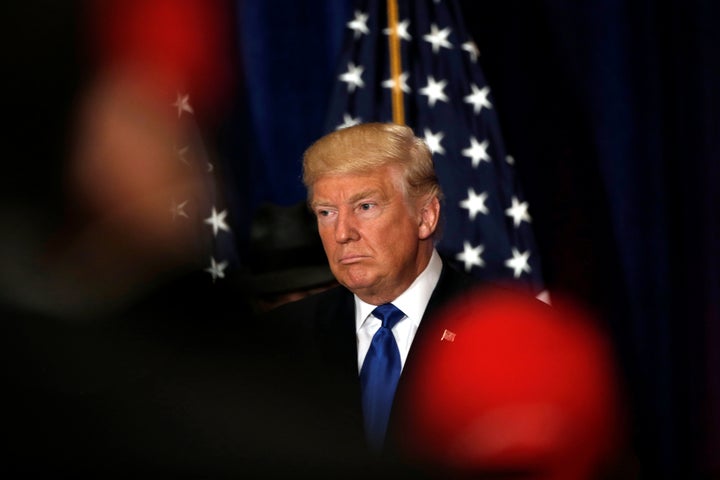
(310,304)
(307,312)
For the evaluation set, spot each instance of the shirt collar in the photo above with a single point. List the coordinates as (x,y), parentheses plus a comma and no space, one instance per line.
(413,300)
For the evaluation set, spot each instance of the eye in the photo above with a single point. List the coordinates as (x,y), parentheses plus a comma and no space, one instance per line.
(367,210)
(325,215)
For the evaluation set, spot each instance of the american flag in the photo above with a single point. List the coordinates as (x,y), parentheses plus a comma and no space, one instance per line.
(487,225)
(208,213)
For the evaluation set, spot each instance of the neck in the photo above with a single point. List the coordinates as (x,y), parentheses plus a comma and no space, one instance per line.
(385,293)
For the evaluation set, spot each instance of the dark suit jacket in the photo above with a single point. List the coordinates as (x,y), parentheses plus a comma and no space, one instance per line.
(315,345)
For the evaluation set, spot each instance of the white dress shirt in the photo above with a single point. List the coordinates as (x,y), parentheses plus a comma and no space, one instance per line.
(412,302)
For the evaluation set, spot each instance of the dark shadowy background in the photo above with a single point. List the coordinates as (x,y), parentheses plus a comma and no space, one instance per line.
(609,107)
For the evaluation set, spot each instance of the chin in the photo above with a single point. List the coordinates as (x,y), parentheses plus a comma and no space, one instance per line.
(356,283)
(355,287)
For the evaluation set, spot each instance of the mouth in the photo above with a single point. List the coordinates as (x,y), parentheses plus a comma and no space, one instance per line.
(351,259)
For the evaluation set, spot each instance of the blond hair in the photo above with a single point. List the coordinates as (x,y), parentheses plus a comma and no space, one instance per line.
(366,147)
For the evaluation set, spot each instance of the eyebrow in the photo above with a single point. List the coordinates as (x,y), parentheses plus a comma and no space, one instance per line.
(353,199)
(364,194)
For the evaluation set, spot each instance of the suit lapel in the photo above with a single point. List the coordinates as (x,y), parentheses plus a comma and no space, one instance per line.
(450,286)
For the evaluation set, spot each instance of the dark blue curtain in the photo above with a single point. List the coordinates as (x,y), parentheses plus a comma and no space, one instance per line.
(287,54)
(614,106)
(611,110)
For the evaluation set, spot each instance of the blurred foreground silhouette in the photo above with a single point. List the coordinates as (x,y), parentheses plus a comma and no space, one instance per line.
(515,389)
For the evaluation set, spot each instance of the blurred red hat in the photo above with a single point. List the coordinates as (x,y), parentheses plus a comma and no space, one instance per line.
(509,385)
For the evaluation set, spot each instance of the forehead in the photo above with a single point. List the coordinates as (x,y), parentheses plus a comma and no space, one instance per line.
(344,187)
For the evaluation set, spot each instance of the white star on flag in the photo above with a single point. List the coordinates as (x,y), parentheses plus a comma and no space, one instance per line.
(477,151)
(217,270)
(178,209)
(402,30)
(359,24)
(183,104)
(518,211)
(472,49)
(217,220)
(434,91)
(390,82)
(519,262)
(475,203)
(471,256)
(434,140)
(353,76)
(438,38)
(478,98)
(348,121)
(182,154)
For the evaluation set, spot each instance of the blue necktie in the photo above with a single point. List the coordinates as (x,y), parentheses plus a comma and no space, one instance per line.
(379,375)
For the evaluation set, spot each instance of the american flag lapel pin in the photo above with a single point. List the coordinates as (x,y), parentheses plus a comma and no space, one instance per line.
(448,336)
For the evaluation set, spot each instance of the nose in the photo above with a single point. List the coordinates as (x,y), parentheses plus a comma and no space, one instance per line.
(346,228)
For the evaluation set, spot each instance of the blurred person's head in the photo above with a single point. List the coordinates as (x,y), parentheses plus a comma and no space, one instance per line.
(136,202)
(376,197)
(128,168)
(119,199)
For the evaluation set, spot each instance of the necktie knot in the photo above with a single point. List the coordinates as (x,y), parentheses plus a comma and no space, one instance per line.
(389,314)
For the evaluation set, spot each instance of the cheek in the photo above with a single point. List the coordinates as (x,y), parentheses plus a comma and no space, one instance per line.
(326,238)
(401,233)
(388,247)
(397,254)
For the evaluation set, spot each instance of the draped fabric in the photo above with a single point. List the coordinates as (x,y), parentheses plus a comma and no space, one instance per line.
(631,151)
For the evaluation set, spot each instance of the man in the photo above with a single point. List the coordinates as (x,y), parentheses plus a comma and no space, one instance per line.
(377,199)
(412,357)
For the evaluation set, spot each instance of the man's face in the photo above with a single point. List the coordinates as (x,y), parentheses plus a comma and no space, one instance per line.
(376,243)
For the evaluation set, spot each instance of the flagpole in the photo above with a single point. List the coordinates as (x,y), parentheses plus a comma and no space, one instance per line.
(398,109)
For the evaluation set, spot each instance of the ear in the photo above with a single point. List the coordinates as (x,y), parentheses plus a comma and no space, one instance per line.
(429,217)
